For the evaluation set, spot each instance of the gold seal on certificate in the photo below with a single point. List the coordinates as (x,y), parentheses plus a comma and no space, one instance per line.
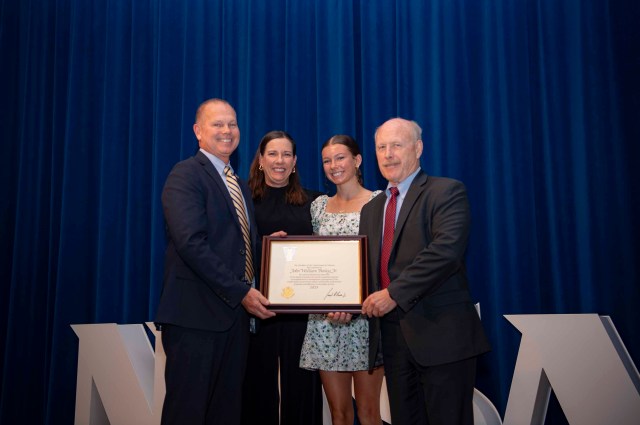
(314,274)
(287,292)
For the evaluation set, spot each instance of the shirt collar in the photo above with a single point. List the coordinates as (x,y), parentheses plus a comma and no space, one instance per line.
(403,186)
(217,162)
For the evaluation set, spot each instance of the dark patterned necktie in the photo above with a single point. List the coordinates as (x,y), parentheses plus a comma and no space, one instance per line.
(387,237)
(236,196)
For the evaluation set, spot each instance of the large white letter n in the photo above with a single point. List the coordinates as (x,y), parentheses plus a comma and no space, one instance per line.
(120,379)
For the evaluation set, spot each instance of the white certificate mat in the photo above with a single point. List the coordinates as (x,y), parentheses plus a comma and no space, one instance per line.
(314,273)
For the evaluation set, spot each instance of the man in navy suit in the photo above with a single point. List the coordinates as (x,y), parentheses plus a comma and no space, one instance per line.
(430,330)
(206,297)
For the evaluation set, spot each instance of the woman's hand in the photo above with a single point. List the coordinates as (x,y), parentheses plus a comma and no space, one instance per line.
(339,317)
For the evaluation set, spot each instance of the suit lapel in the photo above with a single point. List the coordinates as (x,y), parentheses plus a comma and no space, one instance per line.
(217,180)
(407,205)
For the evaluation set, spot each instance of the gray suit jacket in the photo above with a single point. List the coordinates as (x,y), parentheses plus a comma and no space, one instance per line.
(427,271)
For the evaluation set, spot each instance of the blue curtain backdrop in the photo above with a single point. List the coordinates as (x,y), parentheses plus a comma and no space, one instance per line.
(535,105)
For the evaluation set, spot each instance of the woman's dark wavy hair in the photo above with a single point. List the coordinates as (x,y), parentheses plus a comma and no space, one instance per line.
(295,194)
(351,144)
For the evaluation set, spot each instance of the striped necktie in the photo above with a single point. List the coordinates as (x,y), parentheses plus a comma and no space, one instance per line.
(387,237)
(236,196)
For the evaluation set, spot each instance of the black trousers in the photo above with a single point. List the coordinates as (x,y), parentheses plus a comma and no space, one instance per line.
(204,374)
(274,350)
(425,395)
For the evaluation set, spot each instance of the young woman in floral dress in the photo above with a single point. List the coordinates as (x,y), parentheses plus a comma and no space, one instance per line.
(337,344)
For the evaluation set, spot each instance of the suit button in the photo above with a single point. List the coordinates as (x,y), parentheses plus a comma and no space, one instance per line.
(242,252)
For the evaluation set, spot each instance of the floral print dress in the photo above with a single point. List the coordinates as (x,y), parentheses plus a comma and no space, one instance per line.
(330,346)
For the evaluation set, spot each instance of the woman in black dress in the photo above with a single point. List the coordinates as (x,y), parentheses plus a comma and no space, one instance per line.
(281,204)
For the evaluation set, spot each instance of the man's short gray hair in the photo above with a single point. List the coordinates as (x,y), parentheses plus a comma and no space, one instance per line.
(417,131)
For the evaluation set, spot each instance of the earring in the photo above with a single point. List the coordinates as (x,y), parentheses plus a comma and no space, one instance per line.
(260,167)
(294,170)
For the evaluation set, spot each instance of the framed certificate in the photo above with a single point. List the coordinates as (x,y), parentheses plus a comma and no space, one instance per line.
(314,274)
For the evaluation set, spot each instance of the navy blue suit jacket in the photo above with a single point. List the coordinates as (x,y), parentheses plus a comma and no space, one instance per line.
(204,262)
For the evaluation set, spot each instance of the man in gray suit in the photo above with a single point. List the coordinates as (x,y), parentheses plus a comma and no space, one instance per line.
(431,333)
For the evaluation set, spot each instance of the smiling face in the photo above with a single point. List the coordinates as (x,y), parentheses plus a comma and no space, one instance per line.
(398,150)
(277,162)
(216,129)
(339,164)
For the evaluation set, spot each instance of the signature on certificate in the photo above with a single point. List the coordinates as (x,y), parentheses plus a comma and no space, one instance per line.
(335,293)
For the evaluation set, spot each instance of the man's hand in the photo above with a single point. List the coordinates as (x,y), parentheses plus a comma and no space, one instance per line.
(279,233)
(378,304)
(255,303)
